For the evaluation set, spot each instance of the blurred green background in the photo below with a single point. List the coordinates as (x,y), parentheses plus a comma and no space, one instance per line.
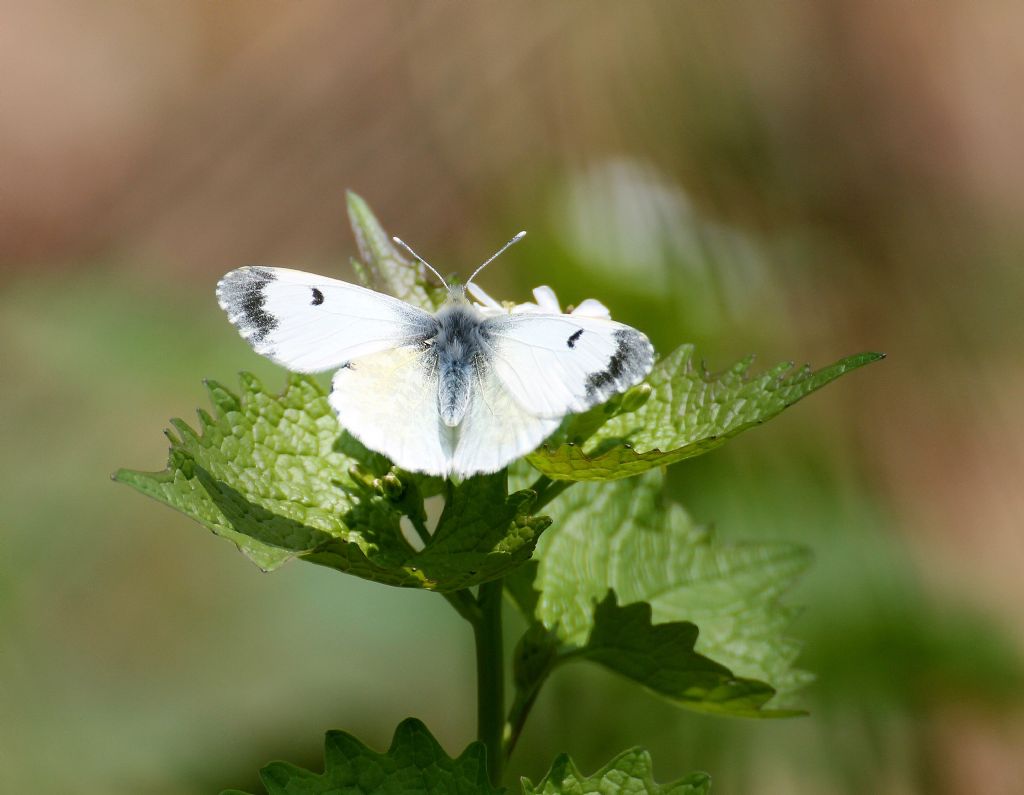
(804,180)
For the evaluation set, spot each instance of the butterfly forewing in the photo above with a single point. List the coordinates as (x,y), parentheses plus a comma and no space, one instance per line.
(556,364)
(310,323)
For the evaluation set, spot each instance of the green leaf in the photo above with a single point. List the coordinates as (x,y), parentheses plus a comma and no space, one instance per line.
(629,773)
(279,478)
(661,657)
(478,516)
(620,536)
(383,266)
(277,452)
(415,764)
(689,413)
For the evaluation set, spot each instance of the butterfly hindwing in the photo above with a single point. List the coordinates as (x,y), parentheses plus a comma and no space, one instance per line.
(388,400)
(310,323)
(496,429)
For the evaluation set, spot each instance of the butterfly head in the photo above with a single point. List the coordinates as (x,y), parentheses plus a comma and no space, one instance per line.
(456,293)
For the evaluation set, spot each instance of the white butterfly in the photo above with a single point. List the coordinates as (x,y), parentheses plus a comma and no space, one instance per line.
(463,391)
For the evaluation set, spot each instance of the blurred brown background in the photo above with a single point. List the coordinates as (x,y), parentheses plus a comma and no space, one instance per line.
(802,181)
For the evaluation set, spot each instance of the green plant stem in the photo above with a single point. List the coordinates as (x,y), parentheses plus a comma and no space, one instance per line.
(536,656)
(483,612)
(465,605)
(520,711)
(547,489)
(490,676)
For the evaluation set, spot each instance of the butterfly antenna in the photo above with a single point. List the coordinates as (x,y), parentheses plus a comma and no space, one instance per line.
(516,239)
(433,270)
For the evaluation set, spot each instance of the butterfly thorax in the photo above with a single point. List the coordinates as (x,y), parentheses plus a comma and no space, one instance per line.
(458,346)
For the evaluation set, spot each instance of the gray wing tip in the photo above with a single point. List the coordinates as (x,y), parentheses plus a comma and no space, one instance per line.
(628,366)
(240,293)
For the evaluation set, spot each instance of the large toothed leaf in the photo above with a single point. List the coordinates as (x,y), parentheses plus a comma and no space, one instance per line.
(621,536)
(274,453)
(383,266)
(415,764)
(661,657)
(629,773)
(689,413)
(274,474)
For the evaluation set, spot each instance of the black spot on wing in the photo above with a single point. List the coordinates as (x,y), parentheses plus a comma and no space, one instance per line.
(629,364)
(318,297)
(574,337)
